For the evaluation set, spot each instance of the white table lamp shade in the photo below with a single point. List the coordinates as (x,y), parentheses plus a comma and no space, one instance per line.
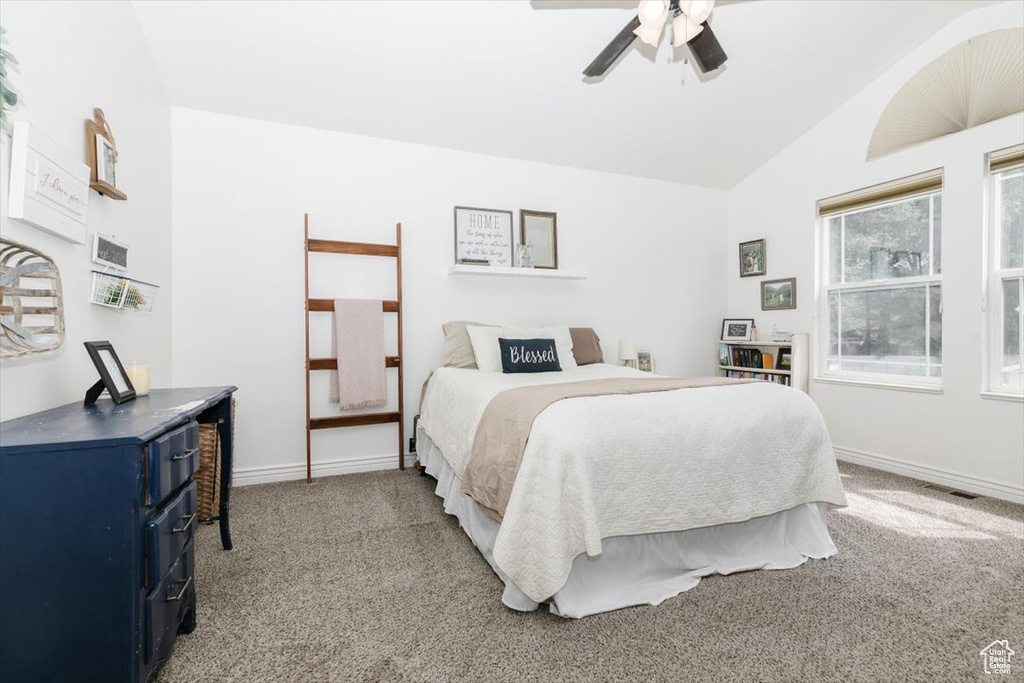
(626,350)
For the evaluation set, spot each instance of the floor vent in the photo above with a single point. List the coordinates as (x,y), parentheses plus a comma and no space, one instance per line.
(945,489)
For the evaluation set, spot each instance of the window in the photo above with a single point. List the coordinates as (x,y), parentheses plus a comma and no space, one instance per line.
(1006,265)
(881,283)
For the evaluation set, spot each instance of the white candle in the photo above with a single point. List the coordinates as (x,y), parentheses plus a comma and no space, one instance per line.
(138,373)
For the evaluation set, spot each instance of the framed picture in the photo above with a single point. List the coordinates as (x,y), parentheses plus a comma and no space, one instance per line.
(778,295)
(106,171)
(752,258)
(101,155)
(113,378)
(539,230)
(483,236)
(737,329)
(785,360)
(645,361)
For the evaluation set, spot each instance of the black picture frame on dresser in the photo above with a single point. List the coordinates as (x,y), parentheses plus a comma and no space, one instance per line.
(113,378)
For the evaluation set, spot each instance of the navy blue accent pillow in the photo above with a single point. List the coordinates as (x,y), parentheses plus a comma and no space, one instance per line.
(528,355)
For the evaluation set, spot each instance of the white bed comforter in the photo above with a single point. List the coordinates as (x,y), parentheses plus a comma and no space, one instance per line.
(603,466)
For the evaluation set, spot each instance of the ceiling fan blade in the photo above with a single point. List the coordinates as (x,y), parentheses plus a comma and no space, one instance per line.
(706,50)
(613,50)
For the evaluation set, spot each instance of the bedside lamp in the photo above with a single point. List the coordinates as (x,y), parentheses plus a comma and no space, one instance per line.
(627,352)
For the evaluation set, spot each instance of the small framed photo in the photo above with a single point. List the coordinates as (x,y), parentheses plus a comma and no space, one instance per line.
(785,361)
(645,361)
(752,258)
(113,378)
(101,156)
(539,230)
(106,162)
(737,329)
(778,295)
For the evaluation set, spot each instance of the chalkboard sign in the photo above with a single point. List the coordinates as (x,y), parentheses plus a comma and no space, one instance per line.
(483,236)
(107,252)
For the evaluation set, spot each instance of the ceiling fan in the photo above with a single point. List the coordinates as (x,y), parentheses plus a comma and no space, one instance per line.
(689,25)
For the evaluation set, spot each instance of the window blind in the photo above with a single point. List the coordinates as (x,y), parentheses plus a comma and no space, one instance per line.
(1006,158)
(902,188)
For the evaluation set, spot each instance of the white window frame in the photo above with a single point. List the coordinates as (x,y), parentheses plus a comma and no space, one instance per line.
(996,276)
(825,288)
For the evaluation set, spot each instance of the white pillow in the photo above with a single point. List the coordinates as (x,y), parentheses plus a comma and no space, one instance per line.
(560,333)
(485,347)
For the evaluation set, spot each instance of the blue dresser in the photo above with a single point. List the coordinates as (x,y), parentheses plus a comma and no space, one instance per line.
(98,508)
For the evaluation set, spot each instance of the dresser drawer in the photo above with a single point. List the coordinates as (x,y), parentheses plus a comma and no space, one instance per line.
(168,531)
(173,458)
(165,606)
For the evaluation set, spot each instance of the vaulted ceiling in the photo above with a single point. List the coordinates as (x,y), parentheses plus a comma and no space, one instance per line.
(504,78)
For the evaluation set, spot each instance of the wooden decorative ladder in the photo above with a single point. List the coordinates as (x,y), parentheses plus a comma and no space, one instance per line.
(322,305)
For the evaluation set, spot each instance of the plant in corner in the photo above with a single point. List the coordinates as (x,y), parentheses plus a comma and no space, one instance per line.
(8,95)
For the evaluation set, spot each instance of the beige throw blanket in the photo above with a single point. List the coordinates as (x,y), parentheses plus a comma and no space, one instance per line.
(505,426)
(357,341)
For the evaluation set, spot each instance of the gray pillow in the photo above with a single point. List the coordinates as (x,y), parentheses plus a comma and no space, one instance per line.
(458,351)
(586,346)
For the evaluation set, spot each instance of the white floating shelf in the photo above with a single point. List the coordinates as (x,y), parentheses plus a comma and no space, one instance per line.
(755,343)
(500,271)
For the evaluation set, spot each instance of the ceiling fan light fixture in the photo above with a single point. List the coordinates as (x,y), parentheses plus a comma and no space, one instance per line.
(652,10)
(684,29)
(697,10)
(650,34)
(652,15)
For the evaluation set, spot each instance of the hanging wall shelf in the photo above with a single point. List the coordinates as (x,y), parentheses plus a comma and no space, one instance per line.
(499,271)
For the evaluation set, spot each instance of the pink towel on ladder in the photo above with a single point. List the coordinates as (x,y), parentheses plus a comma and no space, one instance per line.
(357,341)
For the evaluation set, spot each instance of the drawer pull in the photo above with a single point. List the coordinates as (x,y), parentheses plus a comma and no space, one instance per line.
(181,592)
(186,525)
(186,454)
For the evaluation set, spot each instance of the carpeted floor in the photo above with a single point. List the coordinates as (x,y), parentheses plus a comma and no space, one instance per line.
(363,578)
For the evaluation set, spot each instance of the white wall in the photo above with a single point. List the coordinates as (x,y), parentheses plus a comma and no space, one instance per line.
(73,57)
(653,252)
(957,436)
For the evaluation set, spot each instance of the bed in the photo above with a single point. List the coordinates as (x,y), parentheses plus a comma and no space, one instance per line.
(623,500)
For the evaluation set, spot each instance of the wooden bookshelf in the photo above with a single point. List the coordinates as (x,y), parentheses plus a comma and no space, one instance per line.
(747,359)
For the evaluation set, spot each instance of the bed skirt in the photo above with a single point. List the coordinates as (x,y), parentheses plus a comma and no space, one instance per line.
(648,568)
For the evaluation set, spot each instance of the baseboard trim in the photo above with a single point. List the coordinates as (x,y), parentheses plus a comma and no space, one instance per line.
(935,475)
(246,476)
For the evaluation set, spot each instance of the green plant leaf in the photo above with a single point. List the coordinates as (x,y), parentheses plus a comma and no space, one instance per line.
(8,55)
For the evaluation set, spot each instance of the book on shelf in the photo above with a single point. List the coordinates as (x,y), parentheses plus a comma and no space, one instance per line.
(763,376)
(742,357)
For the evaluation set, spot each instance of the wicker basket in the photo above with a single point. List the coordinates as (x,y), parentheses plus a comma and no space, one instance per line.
(208,476)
